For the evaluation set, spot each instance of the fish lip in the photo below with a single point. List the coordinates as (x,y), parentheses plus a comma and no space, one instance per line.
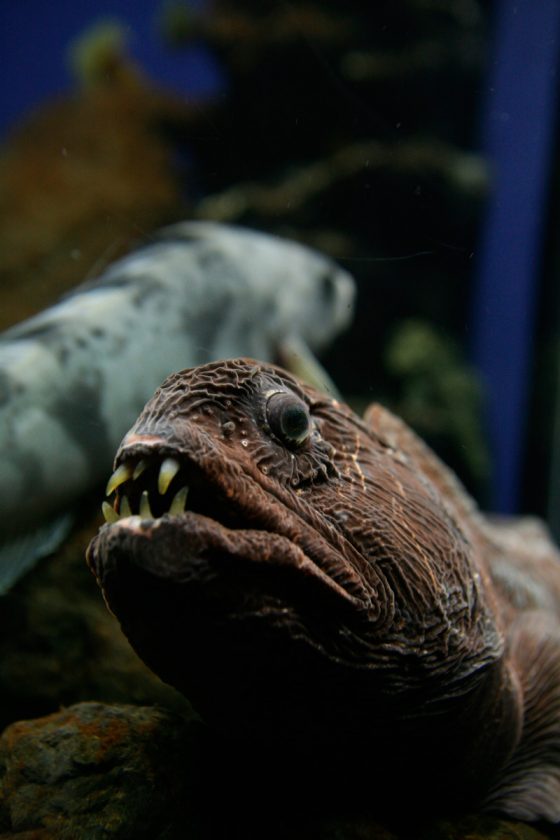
(137,528)
(252,514)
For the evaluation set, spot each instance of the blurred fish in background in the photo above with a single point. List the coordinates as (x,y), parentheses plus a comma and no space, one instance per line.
(74,377)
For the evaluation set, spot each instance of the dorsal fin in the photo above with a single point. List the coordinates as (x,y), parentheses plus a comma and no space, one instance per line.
(20,554)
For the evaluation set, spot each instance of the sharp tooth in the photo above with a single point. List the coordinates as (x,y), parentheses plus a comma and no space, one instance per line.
(145,509)
(139,469)
(109,514)
(167,473)
(124,509)
(178,503)
(120,475)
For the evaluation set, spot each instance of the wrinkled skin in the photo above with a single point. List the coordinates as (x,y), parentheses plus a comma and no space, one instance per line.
(330,587)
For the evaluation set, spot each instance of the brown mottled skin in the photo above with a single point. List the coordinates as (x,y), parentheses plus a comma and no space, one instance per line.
(339,592)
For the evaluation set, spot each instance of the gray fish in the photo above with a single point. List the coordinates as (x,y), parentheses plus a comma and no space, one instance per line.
(73,378)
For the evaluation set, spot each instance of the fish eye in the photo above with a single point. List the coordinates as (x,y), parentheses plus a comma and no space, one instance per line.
(288,417)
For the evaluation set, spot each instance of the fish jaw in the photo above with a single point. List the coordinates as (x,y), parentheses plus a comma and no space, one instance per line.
(216,611)
(173,495)
(188,594)
(182,548)
(236,554)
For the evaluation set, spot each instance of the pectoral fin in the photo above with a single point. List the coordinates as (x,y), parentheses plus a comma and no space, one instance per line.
(20,554)
(529,785)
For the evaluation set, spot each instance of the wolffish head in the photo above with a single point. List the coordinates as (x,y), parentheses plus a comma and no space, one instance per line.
(234,456)
(283,567)
(218,540)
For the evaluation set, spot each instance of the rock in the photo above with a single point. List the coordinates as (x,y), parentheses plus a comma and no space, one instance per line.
(95,771)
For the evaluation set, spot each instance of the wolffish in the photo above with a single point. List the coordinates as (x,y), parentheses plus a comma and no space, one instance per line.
(306,577)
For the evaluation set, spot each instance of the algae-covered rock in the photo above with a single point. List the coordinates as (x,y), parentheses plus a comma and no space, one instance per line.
(96,771)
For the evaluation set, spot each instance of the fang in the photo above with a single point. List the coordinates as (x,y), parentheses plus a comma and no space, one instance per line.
(145,509)
(178,503)
(109,514)
(168,470)
(139,469)
(120,475)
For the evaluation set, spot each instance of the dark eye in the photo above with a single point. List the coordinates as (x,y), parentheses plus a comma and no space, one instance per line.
(288,418)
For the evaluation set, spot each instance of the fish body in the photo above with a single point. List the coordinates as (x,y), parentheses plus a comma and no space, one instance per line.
(311,579)
(73,378)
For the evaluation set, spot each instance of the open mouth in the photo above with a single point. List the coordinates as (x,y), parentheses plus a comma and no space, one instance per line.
(151,485)
(160,483)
